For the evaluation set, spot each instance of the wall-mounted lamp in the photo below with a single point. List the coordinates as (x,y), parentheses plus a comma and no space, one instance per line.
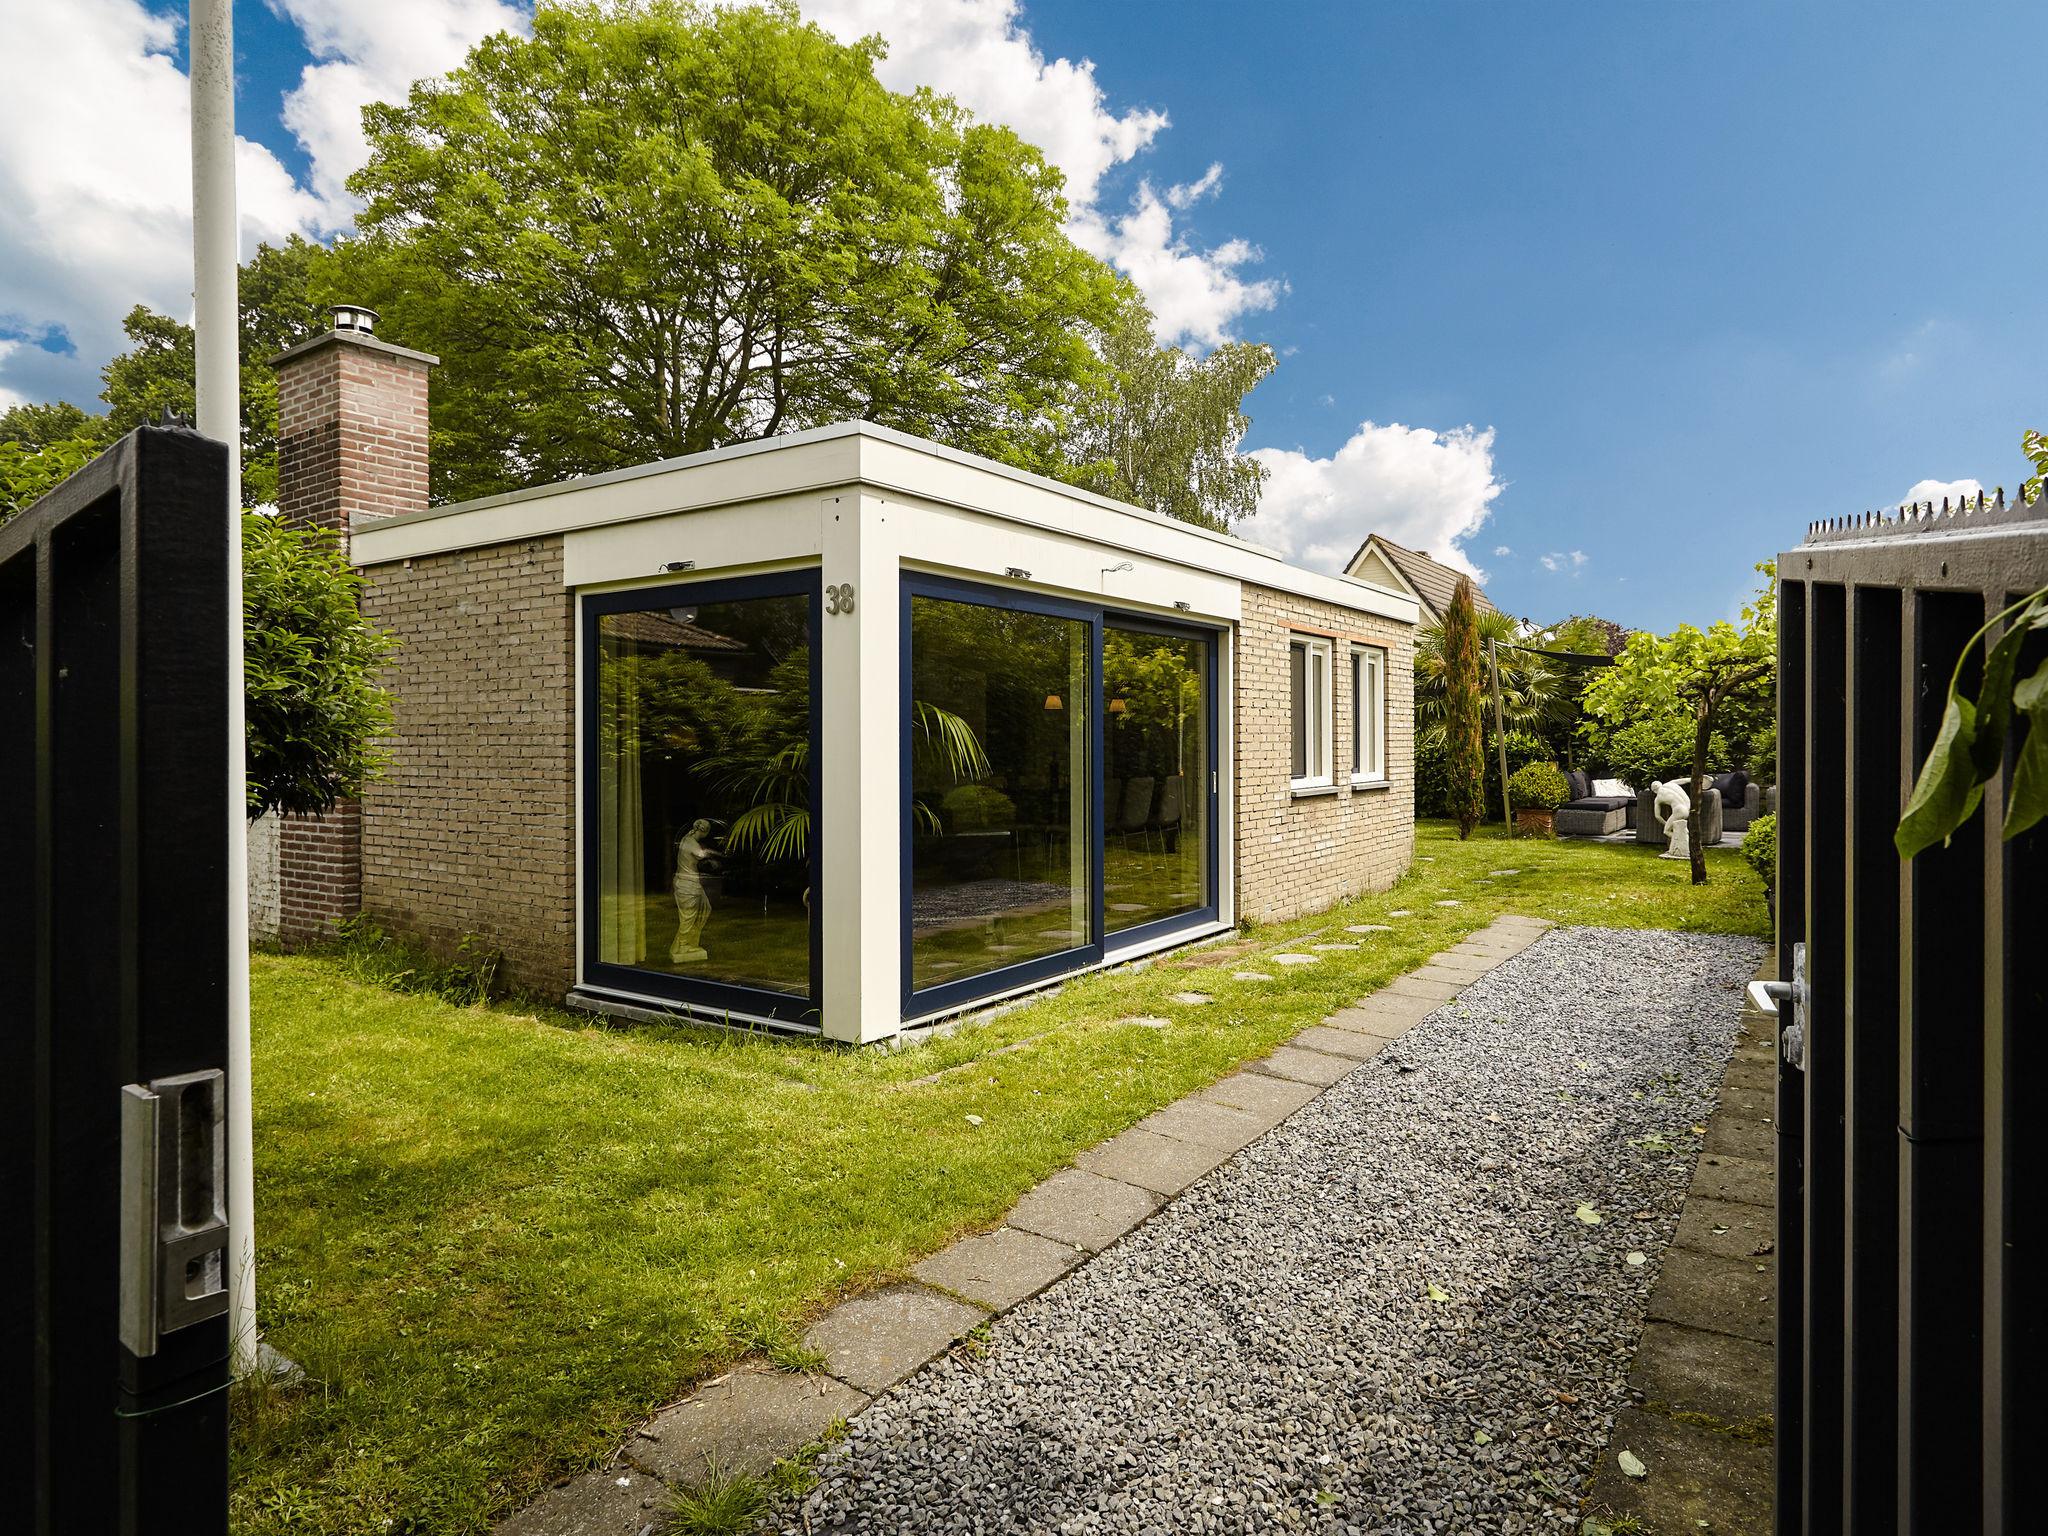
(680,565)
(1118,707)
(1121,565)
(1183,607)
(1052,701)
(1016,573)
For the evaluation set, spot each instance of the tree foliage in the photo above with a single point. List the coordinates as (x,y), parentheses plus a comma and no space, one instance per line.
(1533,690)
(1694,681)
(1165,435)
(653,229)
(315,712)
(1464,742)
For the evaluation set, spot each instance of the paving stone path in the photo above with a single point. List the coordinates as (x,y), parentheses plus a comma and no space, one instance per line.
(1390,1278)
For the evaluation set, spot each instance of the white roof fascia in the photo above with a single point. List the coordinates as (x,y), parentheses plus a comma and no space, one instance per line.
(836,457)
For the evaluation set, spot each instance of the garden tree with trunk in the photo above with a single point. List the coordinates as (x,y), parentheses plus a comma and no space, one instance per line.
(1464,741)
(656,229)
(1165,435)
(1699,677)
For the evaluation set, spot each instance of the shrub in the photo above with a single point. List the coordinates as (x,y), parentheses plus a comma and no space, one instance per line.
(1538,787)
(1760,847)
(367,953)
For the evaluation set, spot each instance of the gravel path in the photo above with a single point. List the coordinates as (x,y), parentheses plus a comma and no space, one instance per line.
(1392,1314)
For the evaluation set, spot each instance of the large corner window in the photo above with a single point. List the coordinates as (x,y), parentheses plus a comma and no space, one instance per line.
(1155,775)
(700,770)
(999,872)
(1309,712)
(1368,714)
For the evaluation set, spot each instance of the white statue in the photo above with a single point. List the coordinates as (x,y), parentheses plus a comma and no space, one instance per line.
(1673,808)
(693,906)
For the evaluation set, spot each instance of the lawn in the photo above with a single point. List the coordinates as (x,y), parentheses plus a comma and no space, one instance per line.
(494,1237)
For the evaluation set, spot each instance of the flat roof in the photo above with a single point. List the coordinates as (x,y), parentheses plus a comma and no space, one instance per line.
(849,453)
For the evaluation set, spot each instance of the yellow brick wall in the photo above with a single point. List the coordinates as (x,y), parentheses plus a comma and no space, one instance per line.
(472,829)
(1300,853)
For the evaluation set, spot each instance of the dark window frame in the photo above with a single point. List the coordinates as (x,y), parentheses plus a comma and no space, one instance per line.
(947,996)
(600,975)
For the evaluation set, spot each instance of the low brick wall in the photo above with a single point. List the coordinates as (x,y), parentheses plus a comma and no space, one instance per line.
(1302,853)
(471,830)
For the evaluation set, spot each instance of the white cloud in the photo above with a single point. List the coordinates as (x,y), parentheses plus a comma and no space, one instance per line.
(1551,562)
(372,50)
(1558,560)
(1189,193)
(1196,296)
(96,184)
(1427,490)
(1936,490)
(1501,551)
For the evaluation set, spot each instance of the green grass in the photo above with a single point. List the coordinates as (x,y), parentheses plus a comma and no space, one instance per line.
(496,1237)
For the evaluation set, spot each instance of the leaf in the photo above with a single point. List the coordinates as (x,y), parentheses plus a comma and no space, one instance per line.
(1481,1437)
(1632,1464)
(1638,1259)
(1945,795)
(974,1119)
(1437,1292)
(1995,698)
(2026,796)
(1588,1215)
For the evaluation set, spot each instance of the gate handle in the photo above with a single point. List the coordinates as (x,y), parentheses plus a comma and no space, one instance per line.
(1767,995)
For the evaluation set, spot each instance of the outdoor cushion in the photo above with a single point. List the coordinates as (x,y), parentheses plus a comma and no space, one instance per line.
(1733,786)
(1599,803)
(1578,784)
(1613,787)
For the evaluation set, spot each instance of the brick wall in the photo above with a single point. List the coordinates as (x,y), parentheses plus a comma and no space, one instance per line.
(471,830)
(1302,853)
(318,881)
(352,423)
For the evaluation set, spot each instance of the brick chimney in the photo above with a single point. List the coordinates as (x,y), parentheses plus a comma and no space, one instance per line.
(352,443)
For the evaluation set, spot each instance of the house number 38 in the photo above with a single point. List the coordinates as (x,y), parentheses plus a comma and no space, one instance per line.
(839,598)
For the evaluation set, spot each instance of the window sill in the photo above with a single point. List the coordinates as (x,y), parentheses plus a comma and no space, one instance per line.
(1371,786)
(1311,791)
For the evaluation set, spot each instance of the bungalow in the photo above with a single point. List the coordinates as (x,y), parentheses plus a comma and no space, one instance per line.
(842,731)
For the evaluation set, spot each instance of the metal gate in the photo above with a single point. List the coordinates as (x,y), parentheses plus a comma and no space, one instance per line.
(113,972)
(1907,1299)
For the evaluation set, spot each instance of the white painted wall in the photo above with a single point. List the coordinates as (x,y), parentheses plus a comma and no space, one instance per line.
(265,890)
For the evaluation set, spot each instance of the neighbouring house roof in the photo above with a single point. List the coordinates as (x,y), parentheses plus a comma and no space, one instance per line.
(1430,582)
(653,627)
(894,467)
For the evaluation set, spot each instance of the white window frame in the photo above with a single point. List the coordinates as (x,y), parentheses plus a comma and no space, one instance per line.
(1368,708)
(1319,694)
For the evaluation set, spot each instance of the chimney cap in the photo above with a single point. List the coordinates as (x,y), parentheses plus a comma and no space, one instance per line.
(359,318)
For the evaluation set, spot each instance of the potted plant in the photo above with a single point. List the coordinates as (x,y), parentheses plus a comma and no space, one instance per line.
(1536,791)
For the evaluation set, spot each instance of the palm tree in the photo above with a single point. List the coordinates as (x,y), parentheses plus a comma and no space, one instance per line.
(1532,691)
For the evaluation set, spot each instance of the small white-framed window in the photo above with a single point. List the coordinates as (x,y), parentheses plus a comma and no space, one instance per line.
(1310,666)
(1368,714)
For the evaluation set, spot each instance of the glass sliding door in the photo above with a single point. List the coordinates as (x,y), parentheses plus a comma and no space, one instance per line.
(999,862)
(1157,755)
(699,787)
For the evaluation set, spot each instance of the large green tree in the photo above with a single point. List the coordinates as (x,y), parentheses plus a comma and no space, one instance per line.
(655,228)
(1464,738)
(1692,683)
(1165,435)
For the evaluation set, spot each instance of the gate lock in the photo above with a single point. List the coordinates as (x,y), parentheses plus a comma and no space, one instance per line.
(1767,995)
(174,1226)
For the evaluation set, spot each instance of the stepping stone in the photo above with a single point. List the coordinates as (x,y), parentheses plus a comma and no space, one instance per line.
(1128,906)
(1249,976)
(1147,1021)
(1208,1124)
(614,1502)
(1340,1042)
(876,1340)
(1293,959)
(1303,1066)
(1332,946)
(1059,933)
(1151,1161)
(1257,1093)
(1083,1209)
(1189,999)
(999,1269)
(1399,912)
(745,1423)
(1447,902)
(1368,928)
(1503,871)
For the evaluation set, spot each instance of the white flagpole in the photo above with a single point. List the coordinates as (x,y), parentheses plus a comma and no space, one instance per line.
(216,327)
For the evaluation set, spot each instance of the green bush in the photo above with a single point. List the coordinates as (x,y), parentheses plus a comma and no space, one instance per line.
(1538,787)
(1760,847)
(1432,775)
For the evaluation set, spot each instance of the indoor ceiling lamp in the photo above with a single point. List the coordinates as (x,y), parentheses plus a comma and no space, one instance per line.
(1052,701)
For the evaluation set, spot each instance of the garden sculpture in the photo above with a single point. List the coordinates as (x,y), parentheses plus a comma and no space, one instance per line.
(1674,812)
(693,905)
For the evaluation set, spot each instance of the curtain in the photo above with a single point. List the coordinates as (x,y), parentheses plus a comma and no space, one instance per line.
(621,839)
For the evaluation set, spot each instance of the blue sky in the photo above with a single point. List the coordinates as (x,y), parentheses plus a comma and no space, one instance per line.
(1691,273)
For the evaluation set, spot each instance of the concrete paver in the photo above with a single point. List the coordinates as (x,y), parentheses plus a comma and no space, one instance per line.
(999,1269)
(744,1423)
(1303,1066)
(1151,1161)
(874,1341)
(1076,1206)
